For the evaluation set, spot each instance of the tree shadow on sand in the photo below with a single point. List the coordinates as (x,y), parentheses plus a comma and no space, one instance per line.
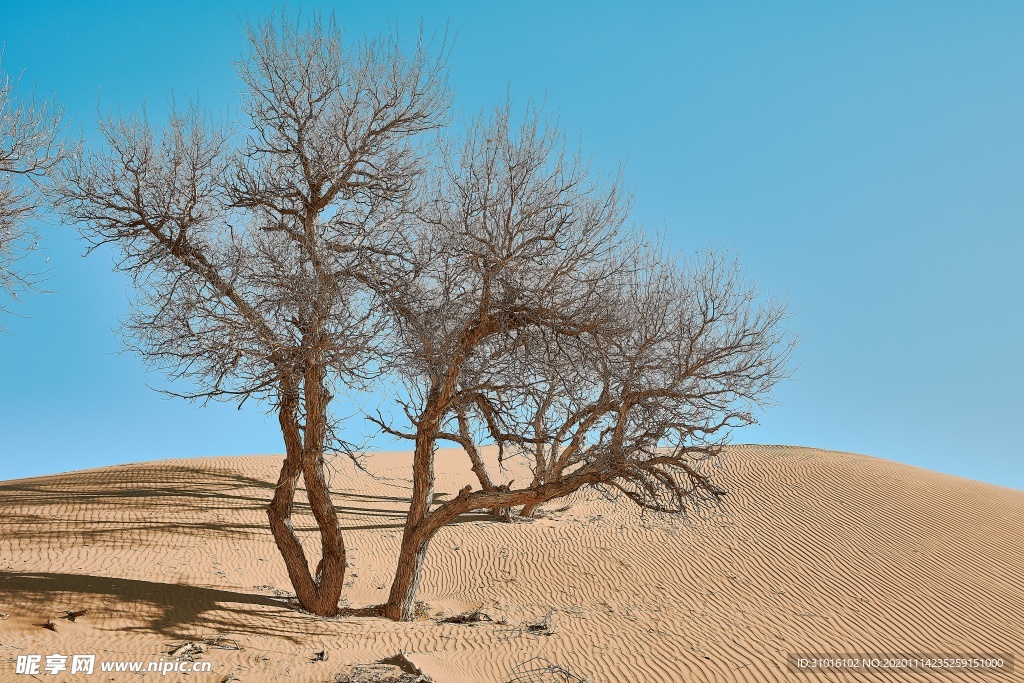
(173,611)
(158,509)
(185,501)
(182,500)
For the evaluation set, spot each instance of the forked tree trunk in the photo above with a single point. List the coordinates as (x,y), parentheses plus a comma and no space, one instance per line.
(416,540)
(317,593)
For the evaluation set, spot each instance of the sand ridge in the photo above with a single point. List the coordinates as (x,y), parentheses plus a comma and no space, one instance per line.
(814,551)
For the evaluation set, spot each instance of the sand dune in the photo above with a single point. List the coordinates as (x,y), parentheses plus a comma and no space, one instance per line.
(815,551)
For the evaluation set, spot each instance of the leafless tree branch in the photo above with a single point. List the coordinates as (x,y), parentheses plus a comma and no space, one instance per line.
(30,150)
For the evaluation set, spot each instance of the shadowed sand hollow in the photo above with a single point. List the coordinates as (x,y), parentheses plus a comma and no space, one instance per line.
(814,551)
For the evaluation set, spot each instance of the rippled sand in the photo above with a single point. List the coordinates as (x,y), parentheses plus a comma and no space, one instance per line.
(815,551)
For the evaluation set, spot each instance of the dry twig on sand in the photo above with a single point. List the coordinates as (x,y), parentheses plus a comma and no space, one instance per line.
(186,650)
(396,669)
(222,643)
(474,617)
(540,670)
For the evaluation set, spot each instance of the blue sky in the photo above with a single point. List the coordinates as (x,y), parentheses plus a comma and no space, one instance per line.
(866,157)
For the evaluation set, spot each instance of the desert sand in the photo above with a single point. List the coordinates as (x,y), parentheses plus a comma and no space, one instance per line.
(814,551)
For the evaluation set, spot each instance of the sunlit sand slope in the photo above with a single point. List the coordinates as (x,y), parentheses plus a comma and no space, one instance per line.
(815,551)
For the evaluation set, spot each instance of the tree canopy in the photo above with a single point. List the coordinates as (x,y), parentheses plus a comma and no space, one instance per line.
(341,231)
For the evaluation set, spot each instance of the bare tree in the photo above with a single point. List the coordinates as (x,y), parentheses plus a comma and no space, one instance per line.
(29,151)
(534,320)
(515,240)
(320,246)
(245,247)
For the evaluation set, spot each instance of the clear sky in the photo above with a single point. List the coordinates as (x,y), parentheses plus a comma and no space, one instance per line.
(867,157)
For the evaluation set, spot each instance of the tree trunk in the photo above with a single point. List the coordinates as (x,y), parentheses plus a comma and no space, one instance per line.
(330,572)
(318,594)
(400,604)
(415,543)
(280,514)
(416,538)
